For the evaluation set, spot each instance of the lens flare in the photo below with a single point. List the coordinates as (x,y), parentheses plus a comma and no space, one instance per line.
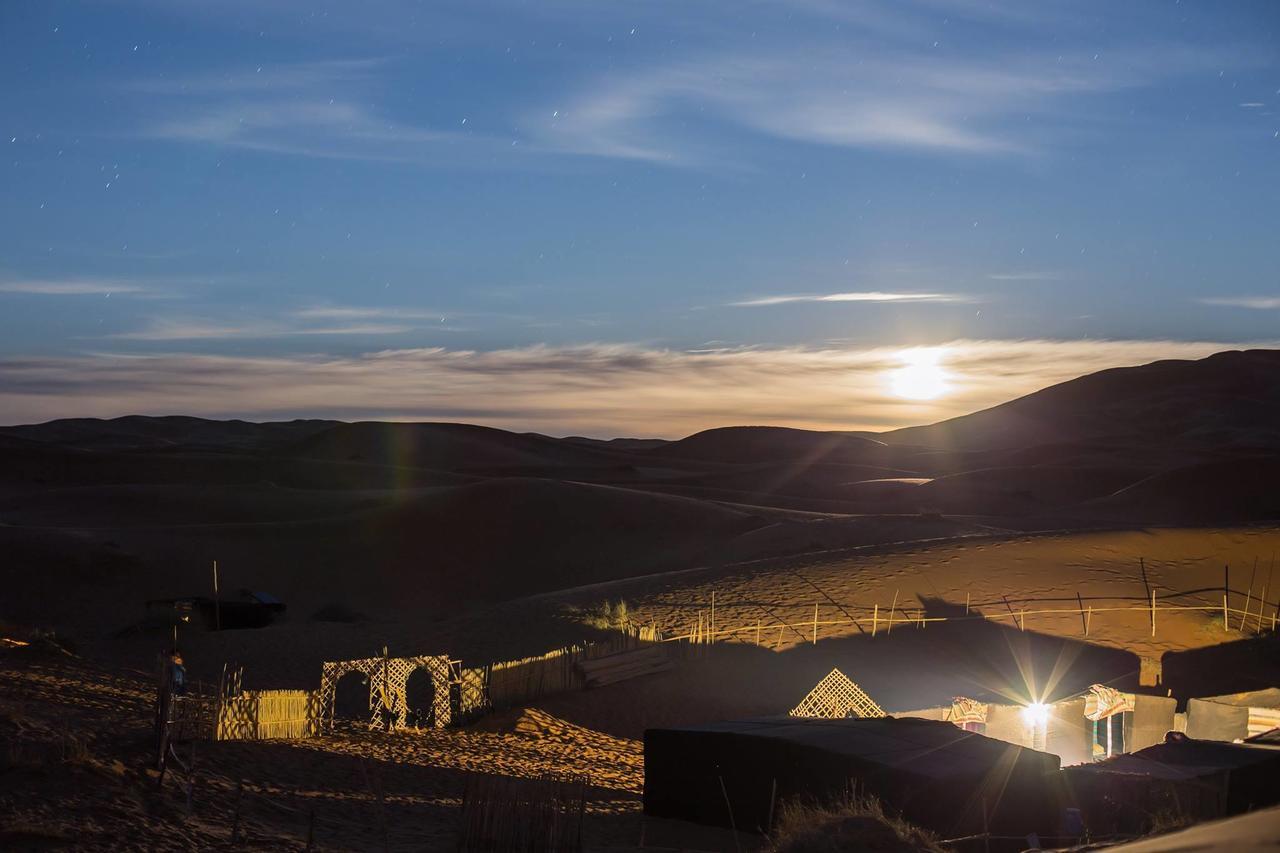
(1036,714)
(922,376)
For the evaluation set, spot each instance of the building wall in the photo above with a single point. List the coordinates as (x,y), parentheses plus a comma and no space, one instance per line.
(1070,734)
(1006,723)
(1214,721)
(1152,720)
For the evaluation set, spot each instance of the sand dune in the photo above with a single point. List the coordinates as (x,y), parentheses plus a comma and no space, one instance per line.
(448,447)
(753,444)
(1231,398)
(1213,492)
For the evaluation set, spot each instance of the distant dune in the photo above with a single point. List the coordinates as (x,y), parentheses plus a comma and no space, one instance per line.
(1228,399)
(420,520)
(753,444)
(446,447)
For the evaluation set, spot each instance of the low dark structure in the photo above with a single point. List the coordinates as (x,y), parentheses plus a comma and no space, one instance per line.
(936,775)
(1200,779)
(251,610)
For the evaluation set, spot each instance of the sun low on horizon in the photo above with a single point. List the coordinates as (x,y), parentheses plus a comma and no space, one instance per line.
(922,375)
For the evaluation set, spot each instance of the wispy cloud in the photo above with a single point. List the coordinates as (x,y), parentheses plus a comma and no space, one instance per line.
(352,312)
(311,109)
(1260,303)
(1025,276)
(858,296)
(74,287)
(178,329)
(600,389)
(901,96)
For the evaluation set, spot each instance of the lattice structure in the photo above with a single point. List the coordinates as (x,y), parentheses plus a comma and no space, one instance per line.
(387,678)
(967,711)
(835,698)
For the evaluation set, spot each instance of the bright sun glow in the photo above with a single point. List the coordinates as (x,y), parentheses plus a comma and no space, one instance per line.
(1035,714)
(922,377)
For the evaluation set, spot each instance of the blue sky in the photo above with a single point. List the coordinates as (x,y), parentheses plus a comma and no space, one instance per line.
(295,184)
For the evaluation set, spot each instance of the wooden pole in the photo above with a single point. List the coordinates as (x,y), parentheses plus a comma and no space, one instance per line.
(217,604)
(757,632)
(875,619)
(1262,602)
(892,608)
(1153,612)
(779,645)
(1022,619)
(1225,626)
(1087,619)
(815,624)
(966,603)
(1248,602)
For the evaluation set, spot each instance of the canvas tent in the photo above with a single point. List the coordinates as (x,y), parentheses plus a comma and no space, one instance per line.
(937,775)
(1235,716)
(1202,778)
(1090,726)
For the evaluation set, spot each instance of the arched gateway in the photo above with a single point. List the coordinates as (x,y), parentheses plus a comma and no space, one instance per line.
(387,677)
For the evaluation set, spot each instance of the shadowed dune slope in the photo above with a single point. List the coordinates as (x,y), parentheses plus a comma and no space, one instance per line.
(753,444)
(448,447)
(134,432)
(425,553)
(1215,492)
(1230,398)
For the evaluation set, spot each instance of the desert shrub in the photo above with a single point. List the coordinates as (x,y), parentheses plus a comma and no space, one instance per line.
(853,823)
(605,615)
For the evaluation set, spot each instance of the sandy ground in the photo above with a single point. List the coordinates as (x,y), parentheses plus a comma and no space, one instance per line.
(88,786)
(102,795)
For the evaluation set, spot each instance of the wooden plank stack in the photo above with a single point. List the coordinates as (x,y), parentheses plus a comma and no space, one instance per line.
(624,665)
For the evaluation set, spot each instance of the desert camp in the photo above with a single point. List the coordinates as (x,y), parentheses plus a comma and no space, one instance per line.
(786,426)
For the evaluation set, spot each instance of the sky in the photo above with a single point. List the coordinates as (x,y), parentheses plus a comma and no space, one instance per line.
(631,218)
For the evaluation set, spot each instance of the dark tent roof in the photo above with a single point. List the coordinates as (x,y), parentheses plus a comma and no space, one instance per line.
(930,748)
(1186,758)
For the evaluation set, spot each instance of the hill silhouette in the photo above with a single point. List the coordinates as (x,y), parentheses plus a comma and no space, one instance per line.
(406,519)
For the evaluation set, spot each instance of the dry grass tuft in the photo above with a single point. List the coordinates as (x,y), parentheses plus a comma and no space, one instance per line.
(605,615)
(854,823)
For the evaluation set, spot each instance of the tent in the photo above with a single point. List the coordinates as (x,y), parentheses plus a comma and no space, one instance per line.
(1234,716)
(1201,778)
(939,776)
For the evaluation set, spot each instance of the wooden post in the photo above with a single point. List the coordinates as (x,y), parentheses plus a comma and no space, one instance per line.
(966,603)
(757,632)
(1022,619)
(892,609)
(1248,602)
(713,615)
(1153,612)
(1087,619)
(779,645)
(875,619)
(217,605)
(815,624)
(1262,602)
(1225,626)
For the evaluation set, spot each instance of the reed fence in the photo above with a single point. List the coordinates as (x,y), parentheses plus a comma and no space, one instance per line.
(775,631)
